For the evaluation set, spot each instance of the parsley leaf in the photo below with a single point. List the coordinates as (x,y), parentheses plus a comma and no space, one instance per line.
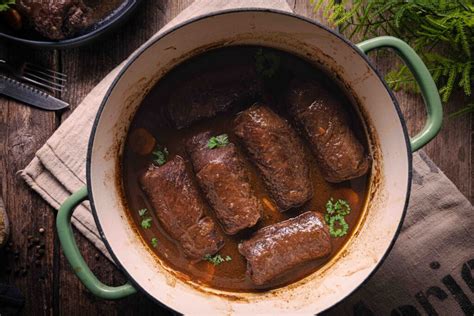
(342,226)
(340,207)
(146,222)
(142,212)
(266,63)
(218,141)
(217,259)
(5,4)
(160,156)
(154,242)
(335,213)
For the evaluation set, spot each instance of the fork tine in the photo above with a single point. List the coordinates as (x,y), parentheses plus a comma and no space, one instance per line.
(40,68)
(43,80)
(27,70)
(41,84)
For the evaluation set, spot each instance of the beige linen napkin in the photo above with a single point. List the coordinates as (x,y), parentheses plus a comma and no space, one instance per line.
(429,271)
(59,167)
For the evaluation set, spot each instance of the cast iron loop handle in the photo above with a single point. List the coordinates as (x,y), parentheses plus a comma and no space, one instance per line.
(423,77)
(68,243)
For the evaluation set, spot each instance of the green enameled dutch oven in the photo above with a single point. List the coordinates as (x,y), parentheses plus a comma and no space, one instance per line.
(390,146)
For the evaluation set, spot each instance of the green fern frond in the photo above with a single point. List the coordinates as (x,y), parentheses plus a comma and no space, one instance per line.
(465,110)
(465,82)
(399,15)
(463,39)
(447,89)
(328,8)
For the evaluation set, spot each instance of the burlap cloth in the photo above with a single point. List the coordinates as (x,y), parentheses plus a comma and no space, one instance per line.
(429,271)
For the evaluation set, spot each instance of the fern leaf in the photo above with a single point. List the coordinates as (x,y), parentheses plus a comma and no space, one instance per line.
(465,82)
(399,16)
(435,23)
(316,5)
(436,74)
(328,8)
(463,39)
(448,88)
(465,110)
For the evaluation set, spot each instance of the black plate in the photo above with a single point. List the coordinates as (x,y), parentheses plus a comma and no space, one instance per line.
(111,21)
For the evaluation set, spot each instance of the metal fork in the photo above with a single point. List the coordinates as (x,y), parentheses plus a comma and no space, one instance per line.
(40,76)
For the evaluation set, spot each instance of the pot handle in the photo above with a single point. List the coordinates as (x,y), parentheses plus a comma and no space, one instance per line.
(66,237)
(422,76)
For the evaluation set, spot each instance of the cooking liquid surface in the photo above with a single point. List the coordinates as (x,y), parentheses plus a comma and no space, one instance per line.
(229,275)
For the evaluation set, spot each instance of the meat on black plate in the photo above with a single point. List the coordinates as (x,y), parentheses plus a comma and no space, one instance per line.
(339,153)
(55,19)
(180,209)
(275,249)
(223,176)
(278,153)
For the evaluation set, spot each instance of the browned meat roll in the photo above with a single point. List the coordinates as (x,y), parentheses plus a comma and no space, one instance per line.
(222,175)
(324,121)
(212,92)
(275,249)
(57,19)
(180,209)
(278,154)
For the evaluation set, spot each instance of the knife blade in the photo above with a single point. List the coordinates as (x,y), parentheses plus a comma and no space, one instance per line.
(30,95)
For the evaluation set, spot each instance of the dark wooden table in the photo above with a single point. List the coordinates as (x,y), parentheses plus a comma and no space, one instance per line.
(47,281)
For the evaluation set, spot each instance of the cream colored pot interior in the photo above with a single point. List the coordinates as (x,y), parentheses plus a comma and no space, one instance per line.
(365,250)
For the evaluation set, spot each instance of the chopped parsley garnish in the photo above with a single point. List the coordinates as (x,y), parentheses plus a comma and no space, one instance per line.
(154,242)
(160,156)
(340,207)
(142,212)
(218,141)
(338,226)
(146,222)
(334,217)
(267,64)
(217,259)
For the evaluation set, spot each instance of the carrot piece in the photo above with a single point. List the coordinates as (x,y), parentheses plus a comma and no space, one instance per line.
(142,142)
(350,195)
(321,130)
(269,205)
(210,271)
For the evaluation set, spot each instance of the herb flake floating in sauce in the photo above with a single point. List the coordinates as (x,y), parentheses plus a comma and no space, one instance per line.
(217,259)
(267,63)
(154,242)
(142,212)
(146,222)
(335,213)
(160,156)
(218,141)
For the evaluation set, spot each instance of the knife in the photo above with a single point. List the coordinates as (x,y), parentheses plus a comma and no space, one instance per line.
(30,95)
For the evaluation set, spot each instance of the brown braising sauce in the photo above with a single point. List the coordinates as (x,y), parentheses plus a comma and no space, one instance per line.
(229,275)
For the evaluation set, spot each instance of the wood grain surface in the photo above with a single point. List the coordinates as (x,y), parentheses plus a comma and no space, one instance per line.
(34,262)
